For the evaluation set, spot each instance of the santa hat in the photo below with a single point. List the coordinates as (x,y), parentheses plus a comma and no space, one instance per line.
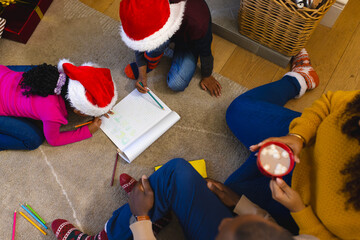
(91,89)
(146,24)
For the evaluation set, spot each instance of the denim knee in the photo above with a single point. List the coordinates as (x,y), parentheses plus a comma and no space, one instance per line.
(237,108)
(177,83)
(176,163)
(180,170)
(34,142)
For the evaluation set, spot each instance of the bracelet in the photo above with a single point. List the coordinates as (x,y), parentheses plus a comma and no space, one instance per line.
(298,136)
(134,219)
(142,218)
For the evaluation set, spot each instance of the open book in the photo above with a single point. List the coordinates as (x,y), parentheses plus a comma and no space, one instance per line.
(137,122)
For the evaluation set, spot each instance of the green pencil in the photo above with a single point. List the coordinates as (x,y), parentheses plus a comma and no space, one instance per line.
(32,210)
(153,97)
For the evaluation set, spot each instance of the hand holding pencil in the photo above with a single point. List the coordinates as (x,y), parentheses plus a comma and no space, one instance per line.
(95,121)
(152,97)
(95,125)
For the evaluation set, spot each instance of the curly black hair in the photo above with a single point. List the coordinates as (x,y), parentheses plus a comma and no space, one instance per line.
(351,170)
(41,80)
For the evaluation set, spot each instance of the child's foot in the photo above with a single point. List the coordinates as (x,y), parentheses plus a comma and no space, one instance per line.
(127,182)
(132,71)
(66,231)
(301,64)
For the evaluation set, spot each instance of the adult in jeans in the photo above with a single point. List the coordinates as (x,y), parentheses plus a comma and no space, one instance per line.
(178,187)
(321,197)
(148,27)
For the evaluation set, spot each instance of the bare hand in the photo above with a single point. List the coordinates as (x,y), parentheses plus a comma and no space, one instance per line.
(226,195)
(293,142)
(285,195)
(143,79)
(95,125)
(141,198)
(107,114)
(212,85)
(142,89)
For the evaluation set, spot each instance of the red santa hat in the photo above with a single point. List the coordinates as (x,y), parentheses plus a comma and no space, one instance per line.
(146,24)
(91,89)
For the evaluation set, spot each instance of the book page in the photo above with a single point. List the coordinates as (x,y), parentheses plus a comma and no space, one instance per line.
(133,116)
(145,140)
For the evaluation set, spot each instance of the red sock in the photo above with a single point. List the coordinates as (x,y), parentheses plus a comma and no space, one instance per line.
(64,230)
(131,70)
(127,182)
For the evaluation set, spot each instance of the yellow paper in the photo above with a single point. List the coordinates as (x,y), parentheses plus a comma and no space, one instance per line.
(199,166)
(39,12)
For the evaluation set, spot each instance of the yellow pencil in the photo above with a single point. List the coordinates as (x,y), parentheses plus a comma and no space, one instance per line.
(83,124)
(33,223)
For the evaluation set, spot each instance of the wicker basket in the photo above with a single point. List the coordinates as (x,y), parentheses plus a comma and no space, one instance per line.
(279,24)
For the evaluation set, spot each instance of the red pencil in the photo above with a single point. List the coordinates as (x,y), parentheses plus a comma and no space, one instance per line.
(113,175)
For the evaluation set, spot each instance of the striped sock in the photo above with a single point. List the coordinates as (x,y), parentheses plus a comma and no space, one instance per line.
(153,62)
(132,71)
(64,230)
(301,64)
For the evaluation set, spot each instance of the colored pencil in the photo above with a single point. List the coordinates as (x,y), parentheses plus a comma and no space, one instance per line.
(33,223)
(33,211)
(14,226)
(113,175)
(31,214)
(83,124)
(153,97)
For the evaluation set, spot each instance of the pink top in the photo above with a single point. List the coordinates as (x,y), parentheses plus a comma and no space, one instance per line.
(50,110)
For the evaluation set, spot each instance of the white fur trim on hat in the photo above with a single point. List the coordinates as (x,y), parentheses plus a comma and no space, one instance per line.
(60,64)
(301,80)
(90,64)
(165,33)
(78,100)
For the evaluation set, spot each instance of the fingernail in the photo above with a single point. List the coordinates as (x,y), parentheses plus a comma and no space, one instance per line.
(144,177)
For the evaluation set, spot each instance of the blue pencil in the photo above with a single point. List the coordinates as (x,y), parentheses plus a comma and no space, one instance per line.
(153,97)
(31,214)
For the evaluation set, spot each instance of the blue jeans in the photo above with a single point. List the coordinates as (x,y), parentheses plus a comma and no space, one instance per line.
(19,133)
(182,68)
(252,117)
(177,187)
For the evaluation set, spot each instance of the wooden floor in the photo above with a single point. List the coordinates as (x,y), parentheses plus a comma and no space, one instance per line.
(334,53)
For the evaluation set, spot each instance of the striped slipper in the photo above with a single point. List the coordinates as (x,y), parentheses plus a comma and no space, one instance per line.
(301,64)
(64,230)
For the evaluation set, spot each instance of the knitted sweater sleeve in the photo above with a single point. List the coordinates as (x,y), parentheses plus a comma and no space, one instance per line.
(309,224)
(307,124)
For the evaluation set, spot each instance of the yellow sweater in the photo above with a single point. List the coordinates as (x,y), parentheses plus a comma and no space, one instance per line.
(317,177)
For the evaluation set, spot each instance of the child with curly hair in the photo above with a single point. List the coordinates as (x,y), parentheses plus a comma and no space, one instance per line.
(40,94)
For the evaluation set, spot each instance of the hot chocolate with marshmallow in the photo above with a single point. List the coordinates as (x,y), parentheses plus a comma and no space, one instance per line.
(274,159)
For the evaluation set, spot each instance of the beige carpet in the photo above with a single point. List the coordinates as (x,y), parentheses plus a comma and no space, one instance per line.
(73,181)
